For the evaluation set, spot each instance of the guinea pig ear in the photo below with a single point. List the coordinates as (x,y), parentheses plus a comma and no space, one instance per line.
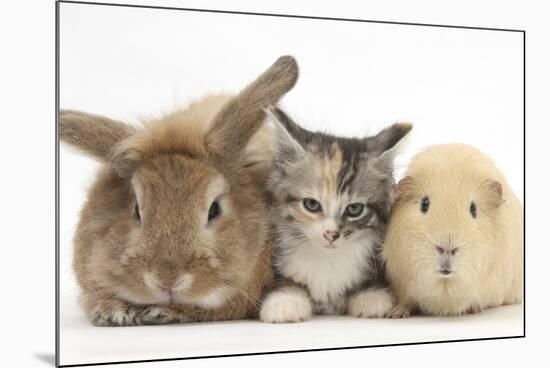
(93,134)
(404,188)
(388,138)
(286,147)
(244,114)
(494,193)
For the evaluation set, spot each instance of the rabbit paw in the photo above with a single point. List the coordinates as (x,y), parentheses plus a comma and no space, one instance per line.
(371,303)
(399,311)
(159,315)
(286,305)
(120,313)
(115,313)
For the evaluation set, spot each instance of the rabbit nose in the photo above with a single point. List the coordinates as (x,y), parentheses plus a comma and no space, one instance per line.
(183,283)
(170,284)
(167,273)
(331,236)
(166,266)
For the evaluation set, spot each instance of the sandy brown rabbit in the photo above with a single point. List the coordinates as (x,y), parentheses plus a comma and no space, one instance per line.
(454,243)
(175,227)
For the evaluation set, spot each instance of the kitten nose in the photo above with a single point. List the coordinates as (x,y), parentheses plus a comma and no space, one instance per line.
(331,236)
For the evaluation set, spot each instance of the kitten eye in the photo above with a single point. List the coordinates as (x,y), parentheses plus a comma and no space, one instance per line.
(312,205)
(214,211)
(137,215)
(425,204)
(354,209)
(473,209)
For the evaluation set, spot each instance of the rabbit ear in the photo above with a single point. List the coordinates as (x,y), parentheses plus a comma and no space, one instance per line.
(388,138)
(244,114)
(93,134)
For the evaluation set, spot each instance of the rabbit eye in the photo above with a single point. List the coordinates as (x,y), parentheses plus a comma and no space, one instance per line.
(214,211)
(354,210)
(137,215)
(473,209)
(425,204)
(312,205)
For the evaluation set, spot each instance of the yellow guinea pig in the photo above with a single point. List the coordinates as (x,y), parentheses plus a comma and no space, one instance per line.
(454,242)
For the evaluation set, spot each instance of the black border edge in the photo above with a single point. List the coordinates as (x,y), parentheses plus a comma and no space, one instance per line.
(57,183)
(288,15)
(524,183)
(291,351)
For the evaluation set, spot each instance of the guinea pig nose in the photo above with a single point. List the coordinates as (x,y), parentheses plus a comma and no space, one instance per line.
(331,236)
(443,250)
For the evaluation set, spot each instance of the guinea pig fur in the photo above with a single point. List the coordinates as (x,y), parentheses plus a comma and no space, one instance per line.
(175,227)
(454,242)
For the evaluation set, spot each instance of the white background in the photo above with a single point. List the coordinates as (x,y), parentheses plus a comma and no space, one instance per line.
(27,185)
(455,85)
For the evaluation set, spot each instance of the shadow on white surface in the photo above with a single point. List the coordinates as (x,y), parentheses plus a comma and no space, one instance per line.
(80,342)
(47,358)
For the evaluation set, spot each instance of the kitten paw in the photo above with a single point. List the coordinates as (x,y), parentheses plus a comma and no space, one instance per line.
(371,303)
(286,305)
(399,311)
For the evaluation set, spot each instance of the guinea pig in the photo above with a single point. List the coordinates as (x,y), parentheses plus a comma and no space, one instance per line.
(175,227)
(454,242)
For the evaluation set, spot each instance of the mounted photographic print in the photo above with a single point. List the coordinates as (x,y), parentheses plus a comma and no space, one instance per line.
(238,183)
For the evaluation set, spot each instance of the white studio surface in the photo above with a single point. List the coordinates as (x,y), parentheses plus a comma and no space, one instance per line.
(83,343)
(455,85)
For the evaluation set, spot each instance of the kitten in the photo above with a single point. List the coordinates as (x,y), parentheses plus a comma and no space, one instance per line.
(331,201)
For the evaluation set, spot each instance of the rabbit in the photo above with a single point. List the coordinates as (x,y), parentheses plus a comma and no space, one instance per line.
(174,229)
(454,243)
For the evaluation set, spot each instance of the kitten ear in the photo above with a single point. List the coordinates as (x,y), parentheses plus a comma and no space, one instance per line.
(388,138)
(287,148)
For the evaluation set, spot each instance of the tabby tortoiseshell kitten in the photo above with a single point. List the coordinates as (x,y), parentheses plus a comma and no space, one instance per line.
(331,201)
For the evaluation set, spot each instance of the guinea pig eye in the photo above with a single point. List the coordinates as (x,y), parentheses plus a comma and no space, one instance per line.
(473,209)
(214,211)
(137,215)
(425,204)
(354,209)
(312,205)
